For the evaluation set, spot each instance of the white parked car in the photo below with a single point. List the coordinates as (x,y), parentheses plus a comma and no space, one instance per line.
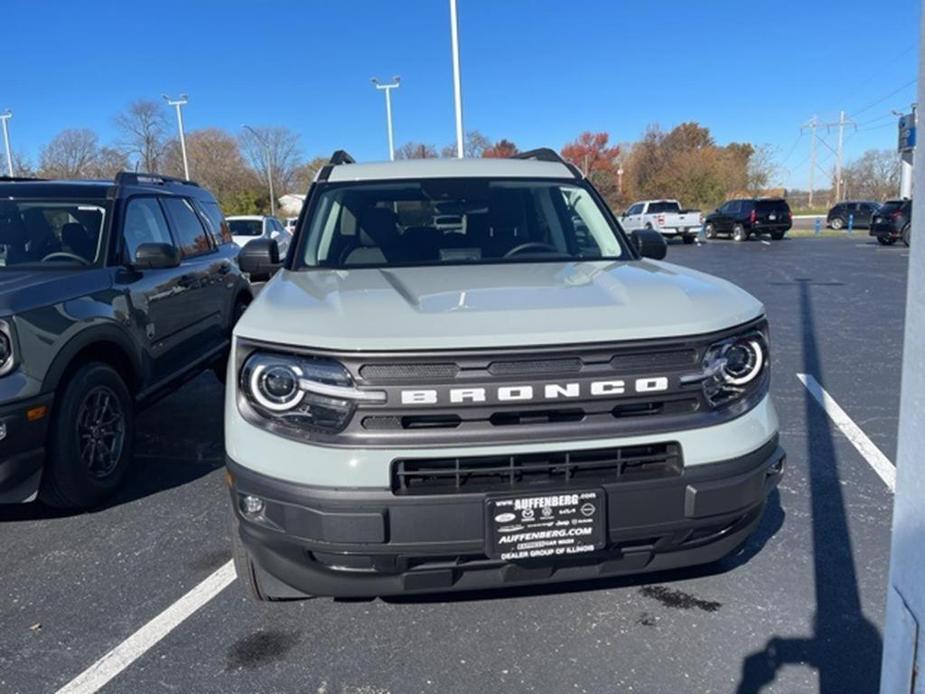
(246,228)
(290,224)
(665,216)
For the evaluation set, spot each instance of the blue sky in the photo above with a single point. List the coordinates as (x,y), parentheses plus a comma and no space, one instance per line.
(534,71)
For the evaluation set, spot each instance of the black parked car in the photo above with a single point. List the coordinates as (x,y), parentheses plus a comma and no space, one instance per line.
(746,217)
(858,212)
(893,221)
(112,293)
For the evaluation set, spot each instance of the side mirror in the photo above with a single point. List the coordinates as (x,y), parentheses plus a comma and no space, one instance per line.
(154,256)
(649,243)
(259,259)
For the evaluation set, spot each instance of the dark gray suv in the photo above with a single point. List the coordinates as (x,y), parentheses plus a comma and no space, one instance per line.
(112,293)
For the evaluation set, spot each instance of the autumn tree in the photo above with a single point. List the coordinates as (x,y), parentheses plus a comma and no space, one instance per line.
(474,144)
(416,150)
(873,176)
(143,129)
(598,161)
(502,149)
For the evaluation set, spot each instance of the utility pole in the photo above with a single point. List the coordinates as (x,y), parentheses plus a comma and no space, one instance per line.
(177,103)
(838,162)
(268,157)
(5,116)
(387,88)
(811,124)
(457,87)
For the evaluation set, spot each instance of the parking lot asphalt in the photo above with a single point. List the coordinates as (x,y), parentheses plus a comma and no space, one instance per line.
(799,609)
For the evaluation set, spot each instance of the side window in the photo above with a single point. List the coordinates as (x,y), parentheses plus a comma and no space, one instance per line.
(215,220)
(144,223)
(191,235)
(635,209)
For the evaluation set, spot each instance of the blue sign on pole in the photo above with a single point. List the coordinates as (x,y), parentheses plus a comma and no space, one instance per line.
(906,133)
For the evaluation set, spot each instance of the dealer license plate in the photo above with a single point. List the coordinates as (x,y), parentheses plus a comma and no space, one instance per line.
(542,526)
(772,217)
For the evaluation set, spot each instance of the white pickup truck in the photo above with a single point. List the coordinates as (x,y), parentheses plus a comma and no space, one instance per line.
(665,216)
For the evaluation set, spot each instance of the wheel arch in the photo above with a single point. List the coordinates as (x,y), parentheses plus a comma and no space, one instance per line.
(104,343)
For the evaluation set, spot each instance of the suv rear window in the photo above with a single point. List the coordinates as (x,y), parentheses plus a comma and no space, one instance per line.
(245,227)
(891,206)
(765,206)
(50,233)
(452,221)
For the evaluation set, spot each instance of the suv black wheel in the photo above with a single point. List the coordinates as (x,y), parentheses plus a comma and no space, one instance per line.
(838,223)
(886,240)
(709,231)
(907,233)
(688,239)
(739,233)
(90,441)
(777,235)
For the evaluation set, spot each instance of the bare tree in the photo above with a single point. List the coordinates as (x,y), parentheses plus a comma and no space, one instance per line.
(109,161)
(72,153)
(143,128)
(416,150)
(873,176)
(473,146)
(304,174)
(274,150)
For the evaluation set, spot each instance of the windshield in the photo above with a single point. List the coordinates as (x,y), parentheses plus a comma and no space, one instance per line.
(772,206)
(454,221)
(48,233)
(890,206)
(245,227)
(662,207)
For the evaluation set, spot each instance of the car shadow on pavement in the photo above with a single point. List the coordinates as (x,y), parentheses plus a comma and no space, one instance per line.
(845,646)
(177,441)
(771,522)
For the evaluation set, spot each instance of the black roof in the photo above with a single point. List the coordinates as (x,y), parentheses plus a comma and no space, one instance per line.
(93,189)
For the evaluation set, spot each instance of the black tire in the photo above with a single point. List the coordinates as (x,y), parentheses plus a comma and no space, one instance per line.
(886,240)
(90,440)
(907,234)
(739,233)
(648,226)
(709,230)
(777,235)
(688,239)
(838,224)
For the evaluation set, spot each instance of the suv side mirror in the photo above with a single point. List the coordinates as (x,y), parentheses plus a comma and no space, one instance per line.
(154,256)
(260,259)
(649,243)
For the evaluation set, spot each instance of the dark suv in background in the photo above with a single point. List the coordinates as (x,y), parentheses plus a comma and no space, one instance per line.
(858,212)
(112,293)
(751,216)
(892,222)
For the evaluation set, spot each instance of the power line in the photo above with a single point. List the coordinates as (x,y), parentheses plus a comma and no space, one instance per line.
(884,98)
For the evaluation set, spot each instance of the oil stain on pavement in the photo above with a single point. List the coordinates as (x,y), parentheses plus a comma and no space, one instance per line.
(678,599)
(258,649)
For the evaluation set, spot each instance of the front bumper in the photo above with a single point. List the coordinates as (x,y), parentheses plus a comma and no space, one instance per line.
(22,448)
(353,543)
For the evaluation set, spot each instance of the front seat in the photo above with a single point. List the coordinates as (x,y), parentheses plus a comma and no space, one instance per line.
(380,226)
(77,240)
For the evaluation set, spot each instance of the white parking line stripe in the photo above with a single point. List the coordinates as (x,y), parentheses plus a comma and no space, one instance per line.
(97,675)
(867,448)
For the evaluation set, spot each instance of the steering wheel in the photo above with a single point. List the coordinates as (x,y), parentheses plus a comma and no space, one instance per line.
(64,255)
(530,246)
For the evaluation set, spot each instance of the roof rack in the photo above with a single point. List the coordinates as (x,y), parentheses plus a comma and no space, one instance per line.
(339,158)
(550,155)
(129,178)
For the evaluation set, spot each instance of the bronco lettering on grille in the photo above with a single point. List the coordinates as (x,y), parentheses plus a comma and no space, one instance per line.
(548,391)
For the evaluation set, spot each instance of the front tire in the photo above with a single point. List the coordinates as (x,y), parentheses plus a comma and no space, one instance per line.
(838,224)
(777,235)
(688,239)
(90,440)
(244,565)
(709,231)
(906,234)
(886,240)
(739,234)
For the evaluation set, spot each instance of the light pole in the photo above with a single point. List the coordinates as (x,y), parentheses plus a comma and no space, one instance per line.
(387,88)
(177,103)
(5,116)
(620,180)
(457,87)
(269,163)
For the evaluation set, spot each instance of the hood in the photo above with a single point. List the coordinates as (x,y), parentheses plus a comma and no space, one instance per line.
(454,307)
(23,290)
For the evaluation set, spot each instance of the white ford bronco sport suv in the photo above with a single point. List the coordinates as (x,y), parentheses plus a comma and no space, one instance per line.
(517,394)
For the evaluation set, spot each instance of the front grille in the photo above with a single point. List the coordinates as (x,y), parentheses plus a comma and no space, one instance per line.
(535,367)
(409,372)
(525,472)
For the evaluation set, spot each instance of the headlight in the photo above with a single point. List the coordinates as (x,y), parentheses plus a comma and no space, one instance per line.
(733,367)
(302,392)
(6,348)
